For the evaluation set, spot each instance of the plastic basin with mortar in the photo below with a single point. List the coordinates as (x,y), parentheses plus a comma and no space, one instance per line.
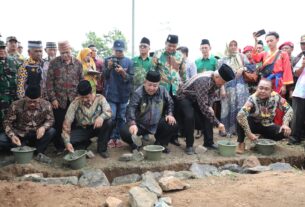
(153,152)
(265,146)
(226,148)
(76,160)
(24,154)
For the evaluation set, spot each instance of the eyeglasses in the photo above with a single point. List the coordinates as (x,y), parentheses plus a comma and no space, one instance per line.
(143,46)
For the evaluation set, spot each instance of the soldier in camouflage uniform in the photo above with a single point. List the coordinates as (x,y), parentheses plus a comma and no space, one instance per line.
(8,86)
(12,49)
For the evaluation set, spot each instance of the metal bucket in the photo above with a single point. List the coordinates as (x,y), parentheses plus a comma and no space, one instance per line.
(24,154)
(226,148)
(153,152)
(265,146)
(76,160)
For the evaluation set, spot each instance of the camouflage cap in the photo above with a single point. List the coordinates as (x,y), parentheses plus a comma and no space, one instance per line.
(10,38)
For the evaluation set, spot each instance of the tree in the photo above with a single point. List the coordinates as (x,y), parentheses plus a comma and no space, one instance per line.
(104,44)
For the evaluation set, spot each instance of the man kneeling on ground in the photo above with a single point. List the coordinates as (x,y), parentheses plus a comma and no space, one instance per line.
(257,115)
(92,115)
(145,114)
(29,122)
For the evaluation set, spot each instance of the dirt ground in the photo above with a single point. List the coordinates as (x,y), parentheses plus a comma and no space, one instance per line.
(276,189)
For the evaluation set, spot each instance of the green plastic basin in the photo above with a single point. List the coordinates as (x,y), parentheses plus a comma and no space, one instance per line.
(226,148)
(265,146)
(76,160)
(153,152)
(23,155)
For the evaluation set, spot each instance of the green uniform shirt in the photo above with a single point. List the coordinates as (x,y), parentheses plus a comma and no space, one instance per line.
(141,67)
(171,68)
(8,85)
(208,64)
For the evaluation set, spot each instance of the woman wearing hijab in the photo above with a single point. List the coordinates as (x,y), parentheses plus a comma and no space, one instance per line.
(84,56)
(235,92)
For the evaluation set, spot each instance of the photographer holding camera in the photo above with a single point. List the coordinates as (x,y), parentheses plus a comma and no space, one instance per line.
(119,76)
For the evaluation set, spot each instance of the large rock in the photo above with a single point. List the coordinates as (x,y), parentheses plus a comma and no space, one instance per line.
(141,197)
(258,169)
(200,149)
(185,175)
(280,166)
(131,178)
(232,167)
(202,170)
(113,202)
(167,200)
(31,177)
(126,157)
(73,180)
(250,162)
(149,182)
(171,183)
(161,203)
(93,178)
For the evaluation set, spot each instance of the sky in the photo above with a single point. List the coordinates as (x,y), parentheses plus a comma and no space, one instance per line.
(220,21)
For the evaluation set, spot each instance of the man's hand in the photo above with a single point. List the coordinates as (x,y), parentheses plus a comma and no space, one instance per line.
(69,147)
(286,130)
(170,120)
(120,70)
(40,132)
(109,64)
(98,123)
(221,128)
(55,104)
(133,129)
(283,90)
(16,141)
(252,136)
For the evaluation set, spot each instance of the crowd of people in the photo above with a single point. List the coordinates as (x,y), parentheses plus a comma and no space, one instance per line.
(67,100)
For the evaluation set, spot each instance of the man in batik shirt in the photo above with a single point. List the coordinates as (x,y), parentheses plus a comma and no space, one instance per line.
(257,116)
(64,74)
(169,63)
(29,121)
(92,115)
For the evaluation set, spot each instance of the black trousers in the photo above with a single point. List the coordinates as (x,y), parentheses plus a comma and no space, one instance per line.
(298,105)
(59,116)
(269,132)
(163,135)
(190,112)
(29,139)
(80,137)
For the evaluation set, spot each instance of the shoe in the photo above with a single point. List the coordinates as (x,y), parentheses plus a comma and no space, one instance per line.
(90,154)
(146,137)
(198,134)
(166,150)
(293,141)
(111,143)
(175,142)
(137,140)
(212,146)
(222,134)
(43,158)
(118,143)
(241,148)
(189,151)
(104,154)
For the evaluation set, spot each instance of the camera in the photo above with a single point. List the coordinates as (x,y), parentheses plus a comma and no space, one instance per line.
(260,33)
(115,63)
